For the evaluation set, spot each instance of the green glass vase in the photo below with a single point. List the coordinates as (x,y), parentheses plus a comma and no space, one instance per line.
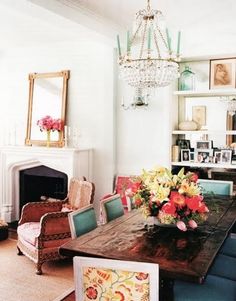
(187,80)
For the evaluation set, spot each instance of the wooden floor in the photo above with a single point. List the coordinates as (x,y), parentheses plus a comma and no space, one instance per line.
(68,296)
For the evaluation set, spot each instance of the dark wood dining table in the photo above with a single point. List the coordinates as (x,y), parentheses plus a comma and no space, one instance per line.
(181,255)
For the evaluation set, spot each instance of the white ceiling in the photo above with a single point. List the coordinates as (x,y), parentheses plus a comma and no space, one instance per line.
(208,26)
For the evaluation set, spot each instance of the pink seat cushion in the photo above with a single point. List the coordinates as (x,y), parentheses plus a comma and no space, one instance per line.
(29,232)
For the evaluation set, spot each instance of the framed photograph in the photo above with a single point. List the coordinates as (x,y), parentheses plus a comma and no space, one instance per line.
(226,156)
(183,143)
(185,155)
(222,73)
(199,115)
(204,144)
(192,156)
(217,156)
(204,156)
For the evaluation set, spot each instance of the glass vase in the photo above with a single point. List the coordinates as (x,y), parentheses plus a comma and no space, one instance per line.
(187,80)
(48,138)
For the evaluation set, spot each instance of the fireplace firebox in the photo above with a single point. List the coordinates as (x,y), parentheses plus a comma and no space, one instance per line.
(41,181)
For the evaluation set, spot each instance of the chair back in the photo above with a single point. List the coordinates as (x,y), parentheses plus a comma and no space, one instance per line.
(122,183)
(111,208)
(216,187)
(107,279)
(82,221)
(80,194)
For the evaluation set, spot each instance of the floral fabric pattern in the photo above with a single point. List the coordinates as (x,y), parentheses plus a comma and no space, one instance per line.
(115,285)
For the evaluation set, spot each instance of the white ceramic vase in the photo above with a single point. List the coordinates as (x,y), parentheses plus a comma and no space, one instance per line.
(188,125)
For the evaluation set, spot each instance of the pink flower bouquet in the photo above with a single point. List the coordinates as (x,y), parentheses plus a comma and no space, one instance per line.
(172,199)
(47,123)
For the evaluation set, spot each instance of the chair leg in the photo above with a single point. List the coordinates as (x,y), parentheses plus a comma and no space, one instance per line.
(39,268)
(19,251)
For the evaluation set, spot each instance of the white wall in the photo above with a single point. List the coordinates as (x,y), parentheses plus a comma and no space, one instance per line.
(144,134)
(90,98)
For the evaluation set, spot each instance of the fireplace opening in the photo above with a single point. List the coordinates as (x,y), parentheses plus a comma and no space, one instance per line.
(41,181)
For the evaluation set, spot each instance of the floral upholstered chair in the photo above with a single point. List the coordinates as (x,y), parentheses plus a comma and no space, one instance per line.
(44,226)
(107,279)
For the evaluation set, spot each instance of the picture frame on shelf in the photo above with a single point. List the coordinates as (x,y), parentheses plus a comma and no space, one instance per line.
(204,155)
(185,155)
(204,144)
(226,156)
(199,115)
(183,143)
(222,73)
(192,156)
(217,157)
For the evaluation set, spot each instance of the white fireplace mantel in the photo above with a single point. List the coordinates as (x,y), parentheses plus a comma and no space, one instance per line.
(73,162)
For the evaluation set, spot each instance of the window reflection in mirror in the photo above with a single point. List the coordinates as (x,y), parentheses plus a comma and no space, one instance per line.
(47,97)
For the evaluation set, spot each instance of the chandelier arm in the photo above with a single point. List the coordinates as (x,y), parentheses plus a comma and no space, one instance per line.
(143,39)
(135,34)
(163,39)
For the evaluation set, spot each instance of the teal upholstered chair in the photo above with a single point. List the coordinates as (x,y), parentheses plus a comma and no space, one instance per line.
(220,284)
(220,188)
(82,221)
(111,208)
(224,266)
(229,246)
(216,187)
(209,186)
(214,288)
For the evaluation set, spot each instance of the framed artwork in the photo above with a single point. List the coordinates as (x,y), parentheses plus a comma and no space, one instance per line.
(199,115)
(226,156)
(204,156)
(204,144)
(222,73)
(185,155)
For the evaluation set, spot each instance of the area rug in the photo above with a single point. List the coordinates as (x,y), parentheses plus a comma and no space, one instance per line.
(18,281)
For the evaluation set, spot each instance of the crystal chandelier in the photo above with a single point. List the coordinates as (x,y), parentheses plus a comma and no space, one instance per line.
(144,67)
(231,104)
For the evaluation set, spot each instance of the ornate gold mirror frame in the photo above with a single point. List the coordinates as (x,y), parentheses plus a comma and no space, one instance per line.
(47,97)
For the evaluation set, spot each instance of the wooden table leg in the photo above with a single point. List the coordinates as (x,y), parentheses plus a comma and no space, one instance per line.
(166,290)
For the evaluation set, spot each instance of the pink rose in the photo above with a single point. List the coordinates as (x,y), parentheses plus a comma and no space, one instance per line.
(192,224)
(181,225)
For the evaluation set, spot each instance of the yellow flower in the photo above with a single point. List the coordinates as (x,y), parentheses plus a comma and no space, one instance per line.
(189,189)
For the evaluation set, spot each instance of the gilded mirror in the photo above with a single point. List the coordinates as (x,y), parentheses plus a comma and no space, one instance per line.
(47,97)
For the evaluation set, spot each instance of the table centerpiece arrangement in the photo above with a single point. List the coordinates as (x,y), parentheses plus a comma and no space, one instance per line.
(173,199)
